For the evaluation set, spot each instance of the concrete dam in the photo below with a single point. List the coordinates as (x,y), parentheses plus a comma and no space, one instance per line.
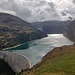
(15,60)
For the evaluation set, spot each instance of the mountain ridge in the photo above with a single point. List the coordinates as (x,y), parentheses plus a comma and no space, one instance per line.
(15,31)
(52,27)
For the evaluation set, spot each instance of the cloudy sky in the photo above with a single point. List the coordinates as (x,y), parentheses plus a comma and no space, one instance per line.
(39,10)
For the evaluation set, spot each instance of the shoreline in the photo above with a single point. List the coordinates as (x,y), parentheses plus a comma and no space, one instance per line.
(20,44)
(12,47)
(15,46)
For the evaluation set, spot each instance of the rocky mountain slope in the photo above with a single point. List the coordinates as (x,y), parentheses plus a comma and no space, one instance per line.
(52,27)
(14,31)
(70,31)
(60,61)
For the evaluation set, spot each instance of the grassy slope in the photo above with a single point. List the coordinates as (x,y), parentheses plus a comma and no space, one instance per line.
(60,61)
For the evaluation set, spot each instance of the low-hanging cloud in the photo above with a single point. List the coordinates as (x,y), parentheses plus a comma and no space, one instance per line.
(33,10)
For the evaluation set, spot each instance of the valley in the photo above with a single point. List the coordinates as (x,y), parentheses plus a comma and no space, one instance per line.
(47,53)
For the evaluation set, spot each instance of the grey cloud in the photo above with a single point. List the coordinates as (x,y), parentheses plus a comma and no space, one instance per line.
(25,13)
(73,1)
(54,11)
(42,3)
(33,10)
(71,11)
(20,11)
(52,6)
(30,10)
(63,13)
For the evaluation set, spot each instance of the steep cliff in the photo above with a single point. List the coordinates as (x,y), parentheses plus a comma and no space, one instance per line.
(70,31)
(14,31)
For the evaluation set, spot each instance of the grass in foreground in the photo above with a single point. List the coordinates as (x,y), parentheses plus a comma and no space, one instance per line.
(63,65)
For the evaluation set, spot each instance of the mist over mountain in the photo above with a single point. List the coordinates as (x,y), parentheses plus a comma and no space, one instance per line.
(52,27)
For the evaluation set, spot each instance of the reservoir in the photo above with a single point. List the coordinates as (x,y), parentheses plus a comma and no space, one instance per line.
(36,49)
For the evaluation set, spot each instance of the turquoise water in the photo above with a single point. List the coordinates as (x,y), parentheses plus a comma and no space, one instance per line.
(36,49)
(21,47)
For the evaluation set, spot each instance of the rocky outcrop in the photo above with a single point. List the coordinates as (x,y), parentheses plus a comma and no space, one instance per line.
(17,62)
(14,31)
(70,31)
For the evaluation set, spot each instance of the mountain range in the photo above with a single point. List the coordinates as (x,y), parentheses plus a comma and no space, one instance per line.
(15,31)
(52,27)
